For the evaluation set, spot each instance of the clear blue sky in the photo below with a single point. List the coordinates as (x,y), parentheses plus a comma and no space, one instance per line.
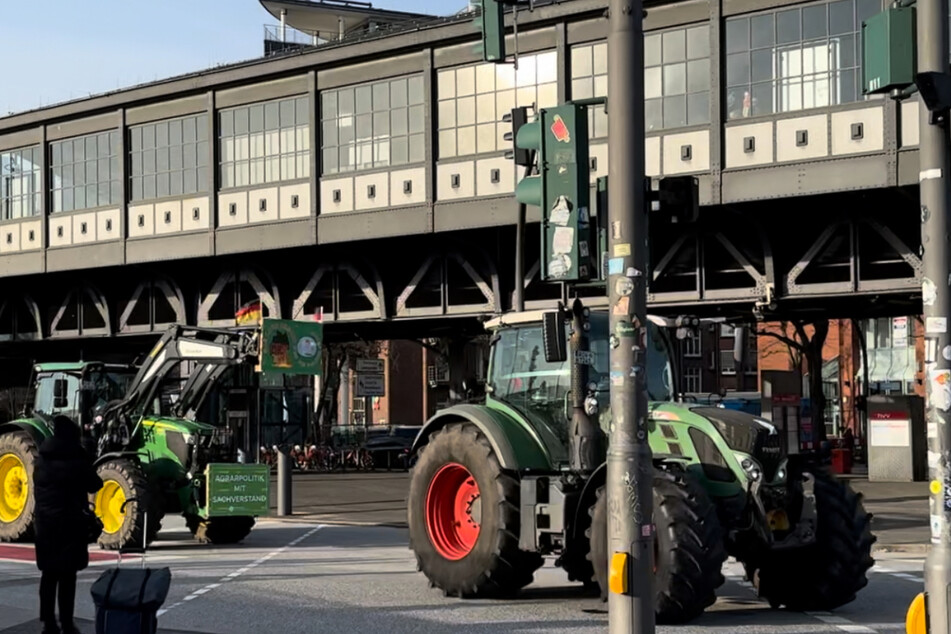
(68,49)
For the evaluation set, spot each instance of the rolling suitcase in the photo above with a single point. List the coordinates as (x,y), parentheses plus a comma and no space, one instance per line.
(128,600)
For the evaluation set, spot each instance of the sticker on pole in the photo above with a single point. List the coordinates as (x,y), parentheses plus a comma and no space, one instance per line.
(560,130)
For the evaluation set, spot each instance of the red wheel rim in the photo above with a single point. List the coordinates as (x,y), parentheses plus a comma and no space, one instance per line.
(452,520)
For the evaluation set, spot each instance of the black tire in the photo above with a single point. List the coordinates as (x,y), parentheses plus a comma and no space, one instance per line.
(494,566)
(21,445)
(219,530)
(128,536)
(828,573)
(689,550)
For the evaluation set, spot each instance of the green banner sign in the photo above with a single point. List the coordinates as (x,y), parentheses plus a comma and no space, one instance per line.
(238,489)
(291,347)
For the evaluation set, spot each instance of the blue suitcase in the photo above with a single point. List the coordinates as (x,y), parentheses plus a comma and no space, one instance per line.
(128,600)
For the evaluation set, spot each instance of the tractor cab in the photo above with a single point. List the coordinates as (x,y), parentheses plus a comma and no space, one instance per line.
(521,378)
(78,390)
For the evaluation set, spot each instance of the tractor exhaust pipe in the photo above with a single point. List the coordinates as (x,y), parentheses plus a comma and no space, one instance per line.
(585,437)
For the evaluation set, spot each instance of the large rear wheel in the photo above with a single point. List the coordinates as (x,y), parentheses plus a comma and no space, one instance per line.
(688,546)
(124,480)
(463,517)
(828,573)
(17,456)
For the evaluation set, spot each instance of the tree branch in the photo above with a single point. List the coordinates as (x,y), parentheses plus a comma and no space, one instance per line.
(783,339)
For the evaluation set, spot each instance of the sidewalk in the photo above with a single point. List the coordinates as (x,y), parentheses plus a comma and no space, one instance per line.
(900,512)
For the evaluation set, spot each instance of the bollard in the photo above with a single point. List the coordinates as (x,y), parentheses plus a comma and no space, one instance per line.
(284,482)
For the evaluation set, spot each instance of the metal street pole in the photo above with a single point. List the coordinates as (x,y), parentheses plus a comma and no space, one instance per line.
(932,23)
(629,466)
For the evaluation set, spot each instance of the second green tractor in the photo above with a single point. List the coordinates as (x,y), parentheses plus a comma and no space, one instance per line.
(497,487)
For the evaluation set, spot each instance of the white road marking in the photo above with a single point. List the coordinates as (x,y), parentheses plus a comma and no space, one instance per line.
(240,571)
(842,624)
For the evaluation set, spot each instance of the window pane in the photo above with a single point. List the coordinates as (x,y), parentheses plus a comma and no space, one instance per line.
(737,35)
(762,99)
(652,54)
(698,75)
(286,115)
(417,118)
(364,97)
(328,105)
(381,96)
(398,93)
(675,79)
(345,102)
(762,66)
(257,118)
(241,121)
(581,61)
(272,116)
(416,90)
(675,46)
(329,159)
(698,42)
(653,114)
(161,134)
(226,123)
(787,27)
(302,105)
(675,112)
(399,150)
(698,108)
(417,149)
(814,22)
(763,30)
(737,69)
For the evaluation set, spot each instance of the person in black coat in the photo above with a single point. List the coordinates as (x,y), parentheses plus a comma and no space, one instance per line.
(63,478)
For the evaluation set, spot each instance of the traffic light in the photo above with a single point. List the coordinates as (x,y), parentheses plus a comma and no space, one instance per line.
(559,136)
(491,22)
(522,156)
(677,198)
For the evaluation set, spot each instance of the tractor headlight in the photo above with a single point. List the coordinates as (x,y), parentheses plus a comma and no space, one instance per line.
(752,469)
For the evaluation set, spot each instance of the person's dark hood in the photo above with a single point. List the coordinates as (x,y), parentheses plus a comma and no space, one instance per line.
(65,443)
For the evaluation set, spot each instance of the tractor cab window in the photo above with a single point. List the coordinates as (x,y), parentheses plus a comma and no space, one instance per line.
(57,393)
(523,379)
(102,386)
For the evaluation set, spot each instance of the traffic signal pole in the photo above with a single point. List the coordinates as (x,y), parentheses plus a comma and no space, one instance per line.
(932,25)
(629,461)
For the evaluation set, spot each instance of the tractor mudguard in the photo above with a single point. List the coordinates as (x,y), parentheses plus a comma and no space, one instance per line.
(514,442)
(32,427)
(125,455)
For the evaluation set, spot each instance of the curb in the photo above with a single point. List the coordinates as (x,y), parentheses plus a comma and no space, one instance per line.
(912,549)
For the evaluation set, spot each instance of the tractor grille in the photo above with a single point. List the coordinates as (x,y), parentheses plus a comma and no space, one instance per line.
(742,433)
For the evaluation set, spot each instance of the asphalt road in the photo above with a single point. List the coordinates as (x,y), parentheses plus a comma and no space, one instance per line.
(303,577)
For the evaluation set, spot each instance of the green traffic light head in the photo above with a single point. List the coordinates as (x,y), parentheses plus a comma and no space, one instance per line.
(530,136)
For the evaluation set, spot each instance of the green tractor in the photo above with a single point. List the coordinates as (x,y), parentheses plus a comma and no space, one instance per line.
(147,448)
(498,486)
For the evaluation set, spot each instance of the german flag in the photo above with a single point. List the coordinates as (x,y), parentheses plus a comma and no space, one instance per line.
(250,314)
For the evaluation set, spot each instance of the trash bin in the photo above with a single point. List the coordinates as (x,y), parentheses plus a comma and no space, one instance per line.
(841,461)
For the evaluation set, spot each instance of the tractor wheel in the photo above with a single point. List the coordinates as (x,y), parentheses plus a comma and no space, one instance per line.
(463,514)
(219,530)
(688,546)
(17,455)
(124,480)
(829,572)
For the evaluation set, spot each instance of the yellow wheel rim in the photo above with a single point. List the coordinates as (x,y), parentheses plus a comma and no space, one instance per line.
(14,487)
(109,501)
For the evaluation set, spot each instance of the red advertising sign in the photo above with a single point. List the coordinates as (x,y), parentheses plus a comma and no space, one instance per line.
(560,130)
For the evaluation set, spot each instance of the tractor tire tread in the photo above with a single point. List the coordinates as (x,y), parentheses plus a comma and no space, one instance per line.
(132,478)
(691,557)
(830,572)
